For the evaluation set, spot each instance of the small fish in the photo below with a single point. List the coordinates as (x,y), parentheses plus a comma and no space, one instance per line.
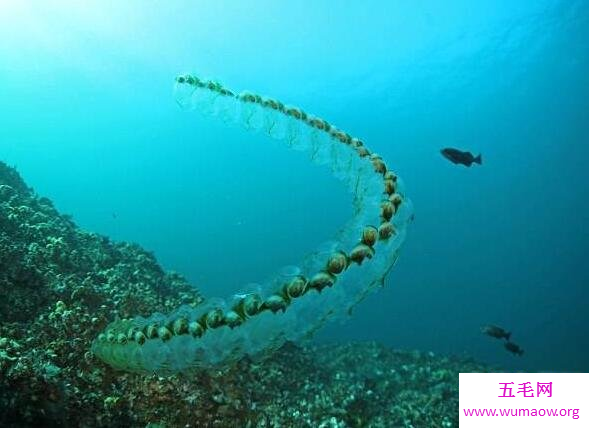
(513,348)
(495,331)
(459,157)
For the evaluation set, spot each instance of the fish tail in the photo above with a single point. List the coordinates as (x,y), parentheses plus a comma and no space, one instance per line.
(478,159)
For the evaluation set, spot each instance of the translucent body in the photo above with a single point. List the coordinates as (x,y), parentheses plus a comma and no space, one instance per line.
(297,301)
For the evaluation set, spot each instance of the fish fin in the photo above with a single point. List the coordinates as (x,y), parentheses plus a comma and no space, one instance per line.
(478,159)
(508,336)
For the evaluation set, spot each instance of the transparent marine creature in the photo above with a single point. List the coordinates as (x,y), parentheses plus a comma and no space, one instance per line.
(293,304)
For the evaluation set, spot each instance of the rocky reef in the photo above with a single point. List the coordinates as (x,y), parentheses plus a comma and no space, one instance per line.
(60,286)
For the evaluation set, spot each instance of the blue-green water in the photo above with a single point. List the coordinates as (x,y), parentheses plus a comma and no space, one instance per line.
(88,117)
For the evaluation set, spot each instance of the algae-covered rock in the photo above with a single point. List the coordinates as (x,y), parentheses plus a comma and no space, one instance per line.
(60,286)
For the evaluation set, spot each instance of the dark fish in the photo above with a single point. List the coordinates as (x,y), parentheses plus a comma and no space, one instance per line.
(513,348)
(495,331)
(460,157)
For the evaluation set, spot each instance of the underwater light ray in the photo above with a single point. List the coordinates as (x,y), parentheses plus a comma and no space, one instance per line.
(328,283)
